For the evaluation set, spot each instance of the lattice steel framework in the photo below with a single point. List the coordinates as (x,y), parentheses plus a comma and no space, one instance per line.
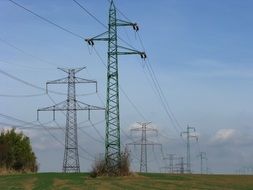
(169,168)
(112,114)
(202,156)
(189,135)
(71,105)
(180,165)
(144,143)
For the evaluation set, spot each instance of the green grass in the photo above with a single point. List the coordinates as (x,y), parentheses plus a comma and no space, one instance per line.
(48,181)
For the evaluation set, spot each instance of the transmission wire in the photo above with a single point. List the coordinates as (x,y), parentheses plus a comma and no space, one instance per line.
(46,20)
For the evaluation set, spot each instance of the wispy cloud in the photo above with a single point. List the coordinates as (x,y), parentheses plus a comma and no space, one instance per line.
(224,135)
(231,137)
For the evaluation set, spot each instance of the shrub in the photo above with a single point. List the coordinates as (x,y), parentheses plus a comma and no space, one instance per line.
(16,152)
(100,168)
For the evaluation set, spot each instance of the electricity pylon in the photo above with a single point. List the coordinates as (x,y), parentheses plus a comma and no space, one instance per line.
(71,105)
(144,143)
(112,114)
(202,156)
(181,165)
(189,136)
(171,158)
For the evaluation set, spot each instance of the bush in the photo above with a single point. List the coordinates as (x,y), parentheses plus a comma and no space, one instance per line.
(101,169)
(16,152)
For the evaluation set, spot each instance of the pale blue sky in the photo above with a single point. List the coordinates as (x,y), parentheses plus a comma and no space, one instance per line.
(200,51)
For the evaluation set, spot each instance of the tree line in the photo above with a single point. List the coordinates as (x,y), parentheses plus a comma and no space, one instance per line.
(16,152)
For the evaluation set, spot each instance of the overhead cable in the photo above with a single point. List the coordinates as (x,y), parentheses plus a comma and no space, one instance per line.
(47,20)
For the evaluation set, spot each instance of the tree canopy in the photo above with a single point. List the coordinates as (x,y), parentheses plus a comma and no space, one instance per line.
(16,152)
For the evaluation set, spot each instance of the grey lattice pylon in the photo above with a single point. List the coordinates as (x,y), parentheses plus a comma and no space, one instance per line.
(144,142)
(202,156)
(181,165)
(169,168)
(189,135)
(71,106)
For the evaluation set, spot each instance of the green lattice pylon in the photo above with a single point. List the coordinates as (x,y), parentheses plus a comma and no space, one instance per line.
(112,114)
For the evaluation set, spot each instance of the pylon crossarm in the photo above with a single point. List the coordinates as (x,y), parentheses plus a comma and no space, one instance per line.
(81,80)
(84,106)
(151,129)
(100,37)
(182,133)
(193,128)
(147,129)
(134,143)
(136,129)
(63,106)
(58,81)
(146,123)
(57,107)
(147,142)
(193,136)
(126,23)
(128,51)
(68,70)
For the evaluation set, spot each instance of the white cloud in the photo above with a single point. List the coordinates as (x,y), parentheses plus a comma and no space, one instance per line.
(224,135)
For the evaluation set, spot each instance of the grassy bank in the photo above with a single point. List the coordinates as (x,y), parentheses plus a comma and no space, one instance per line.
(48,181)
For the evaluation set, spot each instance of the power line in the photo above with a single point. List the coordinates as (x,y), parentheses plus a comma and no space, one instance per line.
(121,89)
(20,80)
(203,157)
(27,83)
(121,12)
(45,127)
(66,30)
(97,131)
(162,97)
(34,86)
(22,96)
(143,128)
(89,13)
(25,127)
(112,141)
(157,86)
(189,136)
(71,106)
(100,22)
(47,20)
(27,53)
(160,93)
(94,124)
(72,34)
(156,83)
(81,129)
(91,137)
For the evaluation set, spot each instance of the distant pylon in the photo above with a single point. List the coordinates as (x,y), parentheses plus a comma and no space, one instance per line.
(71,105)
(180,165)
(144,143)
(189,136)
(171,158)
(203,157)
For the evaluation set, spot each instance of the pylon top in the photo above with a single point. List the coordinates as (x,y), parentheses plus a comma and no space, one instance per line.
(112,5)
(67,70)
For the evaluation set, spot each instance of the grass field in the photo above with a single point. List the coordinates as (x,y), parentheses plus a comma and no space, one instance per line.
(46,181)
